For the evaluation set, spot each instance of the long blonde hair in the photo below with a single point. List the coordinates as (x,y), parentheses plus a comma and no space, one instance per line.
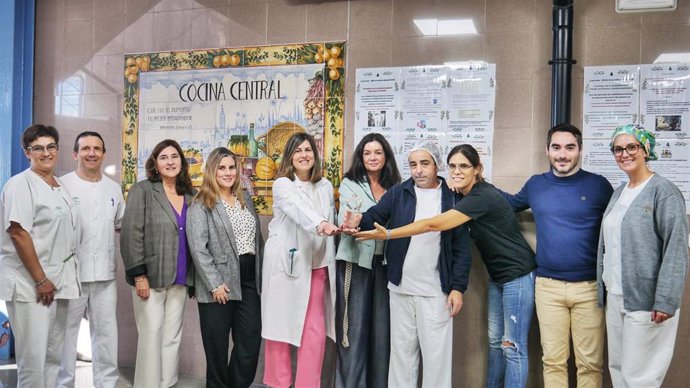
(209,192)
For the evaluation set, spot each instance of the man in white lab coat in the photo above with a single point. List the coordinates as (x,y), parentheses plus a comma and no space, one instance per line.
(100,207)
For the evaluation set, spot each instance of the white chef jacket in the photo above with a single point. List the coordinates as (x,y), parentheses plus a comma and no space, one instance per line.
(100,207)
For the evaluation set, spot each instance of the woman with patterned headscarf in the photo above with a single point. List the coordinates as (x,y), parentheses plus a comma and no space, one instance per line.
(643,258)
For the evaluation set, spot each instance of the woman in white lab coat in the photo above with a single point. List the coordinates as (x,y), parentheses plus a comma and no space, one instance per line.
(298,290)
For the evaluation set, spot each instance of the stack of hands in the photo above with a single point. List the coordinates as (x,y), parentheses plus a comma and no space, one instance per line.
(350,227)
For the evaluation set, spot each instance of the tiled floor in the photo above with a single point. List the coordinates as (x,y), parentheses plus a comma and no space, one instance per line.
(8,377)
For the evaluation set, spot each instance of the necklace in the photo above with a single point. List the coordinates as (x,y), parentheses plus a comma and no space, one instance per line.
(52,185)
(229,199)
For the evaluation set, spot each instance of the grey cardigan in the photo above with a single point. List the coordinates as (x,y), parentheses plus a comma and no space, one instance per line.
(149,237)
(654,240)
(214,250)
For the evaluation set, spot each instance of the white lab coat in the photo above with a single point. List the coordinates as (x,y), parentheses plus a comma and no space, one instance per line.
(286,283)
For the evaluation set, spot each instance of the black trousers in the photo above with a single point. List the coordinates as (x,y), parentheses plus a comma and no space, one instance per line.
(243,319)
(364,364)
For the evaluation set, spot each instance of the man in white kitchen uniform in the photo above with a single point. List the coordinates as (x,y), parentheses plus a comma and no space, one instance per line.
(100,207)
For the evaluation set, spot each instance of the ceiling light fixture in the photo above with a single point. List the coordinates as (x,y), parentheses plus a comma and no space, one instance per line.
(645,5)
(435,27)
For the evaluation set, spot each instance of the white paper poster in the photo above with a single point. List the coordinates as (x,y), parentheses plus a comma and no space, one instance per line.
(673,163)
(611,98)
(451,105)
(377,96)
(656,97)
(422,98)
(665,100)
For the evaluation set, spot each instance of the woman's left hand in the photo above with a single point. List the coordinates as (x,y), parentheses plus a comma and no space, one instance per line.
(45,293)
(220,295)
(380,233)
(658,316)
(141,283)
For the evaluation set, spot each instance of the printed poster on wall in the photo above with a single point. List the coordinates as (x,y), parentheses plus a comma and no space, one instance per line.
(377,92)
(249,100)
(656,94)
(665,100)
(448,105)
(611,97)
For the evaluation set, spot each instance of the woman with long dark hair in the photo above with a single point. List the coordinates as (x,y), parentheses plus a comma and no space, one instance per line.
(508,258)
(362,310)
(153,244)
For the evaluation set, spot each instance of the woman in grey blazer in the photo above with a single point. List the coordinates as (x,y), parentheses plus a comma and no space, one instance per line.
(225,242)
(153,244)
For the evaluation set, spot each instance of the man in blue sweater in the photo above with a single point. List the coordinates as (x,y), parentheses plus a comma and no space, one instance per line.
(568,204)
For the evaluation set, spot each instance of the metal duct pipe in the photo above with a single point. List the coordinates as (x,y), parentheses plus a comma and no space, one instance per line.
(562,61)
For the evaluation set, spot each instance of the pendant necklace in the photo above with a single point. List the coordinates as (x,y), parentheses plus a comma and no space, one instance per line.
(44,179)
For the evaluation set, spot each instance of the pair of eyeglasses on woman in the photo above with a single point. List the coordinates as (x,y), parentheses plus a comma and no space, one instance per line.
(39,149)
(631,149)
(461,166)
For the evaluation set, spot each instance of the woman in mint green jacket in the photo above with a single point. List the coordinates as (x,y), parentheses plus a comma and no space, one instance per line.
(362,311)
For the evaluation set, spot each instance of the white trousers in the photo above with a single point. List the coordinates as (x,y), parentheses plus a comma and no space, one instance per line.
(159,323)
(640,350)
(420,324)
(39,333)
(99,300)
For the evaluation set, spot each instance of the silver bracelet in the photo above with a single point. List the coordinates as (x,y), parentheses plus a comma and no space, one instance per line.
(388,234)
(40,283)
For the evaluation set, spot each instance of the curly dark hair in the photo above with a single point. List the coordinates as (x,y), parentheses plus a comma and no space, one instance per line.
(183,182)
(39,130)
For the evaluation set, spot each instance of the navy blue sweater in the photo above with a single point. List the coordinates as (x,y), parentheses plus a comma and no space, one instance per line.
(397,208)
(568,213)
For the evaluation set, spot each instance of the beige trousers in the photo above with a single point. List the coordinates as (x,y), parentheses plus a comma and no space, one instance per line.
(159,323)
(565,309)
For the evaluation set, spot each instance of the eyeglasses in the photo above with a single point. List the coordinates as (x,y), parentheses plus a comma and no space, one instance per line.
(461,166)
(39,149)
(631,149)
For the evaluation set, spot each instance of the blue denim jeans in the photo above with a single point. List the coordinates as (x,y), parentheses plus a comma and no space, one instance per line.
(511,306)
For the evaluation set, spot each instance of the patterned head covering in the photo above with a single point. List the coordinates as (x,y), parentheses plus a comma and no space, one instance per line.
(432,149)
(640,134)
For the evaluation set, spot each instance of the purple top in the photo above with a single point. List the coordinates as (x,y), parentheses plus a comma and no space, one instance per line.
(182,253)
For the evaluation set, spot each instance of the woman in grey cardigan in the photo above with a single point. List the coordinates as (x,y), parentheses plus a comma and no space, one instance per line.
(643,258)
(225,242)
